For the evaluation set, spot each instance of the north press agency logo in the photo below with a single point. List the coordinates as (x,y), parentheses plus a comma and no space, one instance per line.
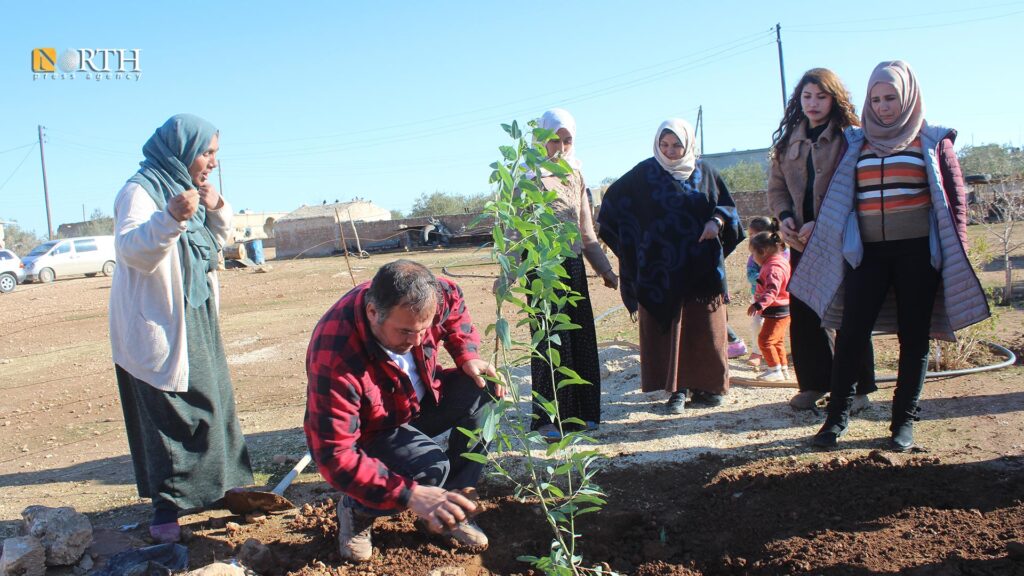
(97,64)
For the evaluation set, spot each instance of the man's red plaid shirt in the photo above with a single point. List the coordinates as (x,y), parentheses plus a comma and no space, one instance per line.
(355,390)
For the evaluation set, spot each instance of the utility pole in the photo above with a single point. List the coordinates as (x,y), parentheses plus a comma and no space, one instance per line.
(220,179)
(46,189)
(782,67)
(700,126)
(83,212)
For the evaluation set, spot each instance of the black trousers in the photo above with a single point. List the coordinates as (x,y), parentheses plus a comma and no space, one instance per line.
(409,449)
(905,267)
(812,348)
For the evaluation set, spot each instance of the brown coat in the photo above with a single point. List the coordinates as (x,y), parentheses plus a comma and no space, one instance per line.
(787,180)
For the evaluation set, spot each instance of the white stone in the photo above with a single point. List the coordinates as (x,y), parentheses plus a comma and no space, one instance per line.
(23,556)
(64,533)
(218,569)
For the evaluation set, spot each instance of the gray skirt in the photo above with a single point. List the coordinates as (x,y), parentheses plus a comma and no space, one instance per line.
(187,447)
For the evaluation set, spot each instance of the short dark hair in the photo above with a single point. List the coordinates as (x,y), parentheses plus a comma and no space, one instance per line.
(402,283)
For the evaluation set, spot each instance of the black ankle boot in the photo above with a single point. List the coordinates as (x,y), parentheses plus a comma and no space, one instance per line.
(902,436)
(828,436)
(902,429)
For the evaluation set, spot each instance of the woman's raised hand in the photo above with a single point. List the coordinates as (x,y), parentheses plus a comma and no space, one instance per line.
(184,205)
(209,196)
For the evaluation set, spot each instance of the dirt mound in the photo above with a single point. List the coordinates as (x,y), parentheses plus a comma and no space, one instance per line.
(875,513)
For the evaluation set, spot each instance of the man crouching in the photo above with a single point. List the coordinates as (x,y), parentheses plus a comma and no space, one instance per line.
(377,395)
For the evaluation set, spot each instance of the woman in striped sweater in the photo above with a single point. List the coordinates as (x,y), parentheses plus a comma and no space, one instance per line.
(896,211)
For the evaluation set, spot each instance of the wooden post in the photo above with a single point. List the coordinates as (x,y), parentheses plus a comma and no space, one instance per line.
(344,243)
(356,232)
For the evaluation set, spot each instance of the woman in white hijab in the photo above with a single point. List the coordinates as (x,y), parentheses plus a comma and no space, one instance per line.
(578,348)
(888,250)
(671,222)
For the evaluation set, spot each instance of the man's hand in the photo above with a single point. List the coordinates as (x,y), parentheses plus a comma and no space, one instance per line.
(209,196)
(752,310)
(476,369)
(711,230)
(438,507)
(184,205)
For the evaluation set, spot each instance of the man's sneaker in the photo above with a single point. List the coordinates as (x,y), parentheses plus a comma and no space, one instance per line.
(860,403)
(806,400)
(737,348)
(354,535)
(677,402)
(467,533)
(785,373)
(772,374)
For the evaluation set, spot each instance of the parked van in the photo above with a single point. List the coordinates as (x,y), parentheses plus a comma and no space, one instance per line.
(89,255)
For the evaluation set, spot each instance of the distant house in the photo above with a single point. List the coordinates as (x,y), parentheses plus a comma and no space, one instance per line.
(314,230)
(255,225)
(723,160)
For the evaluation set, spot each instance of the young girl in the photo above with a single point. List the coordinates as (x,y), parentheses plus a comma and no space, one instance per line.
(756,225)
(771,301)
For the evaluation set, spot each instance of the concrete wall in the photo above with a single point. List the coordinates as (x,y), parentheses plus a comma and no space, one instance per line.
(259,224)
(750,204)
(321,237)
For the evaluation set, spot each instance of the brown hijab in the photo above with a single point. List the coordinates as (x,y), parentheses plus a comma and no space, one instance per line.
(890,139)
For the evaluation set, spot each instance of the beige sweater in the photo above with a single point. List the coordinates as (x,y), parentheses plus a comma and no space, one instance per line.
(147,296)
(572,205)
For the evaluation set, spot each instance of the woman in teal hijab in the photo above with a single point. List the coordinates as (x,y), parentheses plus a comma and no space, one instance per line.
(170,222)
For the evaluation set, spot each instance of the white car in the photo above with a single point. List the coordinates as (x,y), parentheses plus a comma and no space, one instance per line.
(12,271)
(89,255)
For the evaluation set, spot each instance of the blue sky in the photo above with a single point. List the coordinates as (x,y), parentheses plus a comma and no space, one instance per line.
(388,100)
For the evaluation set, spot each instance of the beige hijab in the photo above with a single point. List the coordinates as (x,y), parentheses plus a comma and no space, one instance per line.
(682,168)
(890,139)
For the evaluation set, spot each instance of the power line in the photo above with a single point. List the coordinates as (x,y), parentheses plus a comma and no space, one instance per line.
(18,147)
(27,154)
(738,42)
(972,9)
(905,28)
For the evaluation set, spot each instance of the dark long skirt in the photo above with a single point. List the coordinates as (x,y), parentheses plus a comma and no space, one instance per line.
(691,355)
(578,351)
(187,448)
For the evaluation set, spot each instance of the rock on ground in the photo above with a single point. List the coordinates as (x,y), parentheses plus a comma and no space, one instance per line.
(255,555)
(64,533)
(217,569)
(23,556)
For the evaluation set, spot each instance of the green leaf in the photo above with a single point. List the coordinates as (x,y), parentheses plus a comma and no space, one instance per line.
(473,456)
(508,152)
(504,335)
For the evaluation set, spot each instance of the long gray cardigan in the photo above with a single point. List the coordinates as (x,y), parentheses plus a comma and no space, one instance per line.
(818,281)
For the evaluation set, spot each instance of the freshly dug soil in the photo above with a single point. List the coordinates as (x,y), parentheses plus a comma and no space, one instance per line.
(879,513)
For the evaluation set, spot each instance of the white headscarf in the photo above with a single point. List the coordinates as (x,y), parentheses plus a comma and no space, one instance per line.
(558,118)
(682,168)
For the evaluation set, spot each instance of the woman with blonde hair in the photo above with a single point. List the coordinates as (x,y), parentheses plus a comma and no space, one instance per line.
(805,150)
